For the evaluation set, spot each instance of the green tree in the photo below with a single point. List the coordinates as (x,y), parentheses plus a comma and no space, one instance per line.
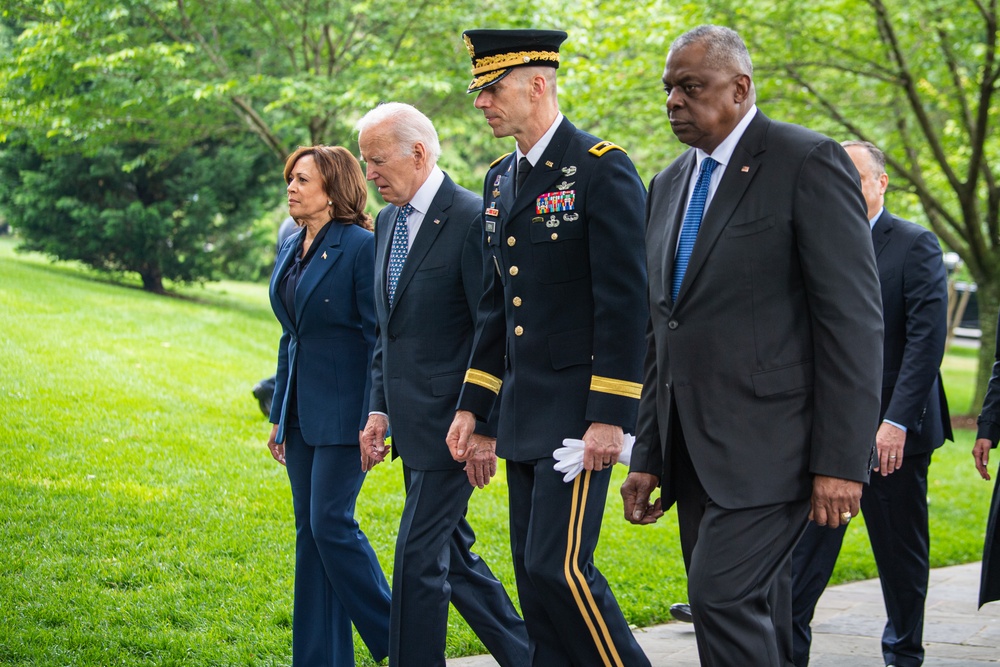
(180,219)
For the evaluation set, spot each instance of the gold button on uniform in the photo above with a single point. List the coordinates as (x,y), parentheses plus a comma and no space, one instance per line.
(513,270)
(517,301)
(518,330)
(511,240)
(554,236)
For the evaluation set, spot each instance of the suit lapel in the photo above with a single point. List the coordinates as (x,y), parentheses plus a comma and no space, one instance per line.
(434,220)
(882,232)
(742,167)
(504,183)
(385,228)
(674,216)
(321,263)
(285,257)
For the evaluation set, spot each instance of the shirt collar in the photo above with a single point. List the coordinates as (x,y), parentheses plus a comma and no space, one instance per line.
(877,216)
(723,153)
(535,154)
(421,201)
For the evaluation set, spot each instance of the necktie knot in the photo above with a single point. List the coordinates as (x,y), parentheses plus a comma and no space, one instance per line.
(692,223)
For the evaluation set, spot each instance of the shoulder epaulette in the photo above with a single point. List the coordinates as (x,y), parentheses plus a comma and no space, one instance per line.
(605,146)
(494,163)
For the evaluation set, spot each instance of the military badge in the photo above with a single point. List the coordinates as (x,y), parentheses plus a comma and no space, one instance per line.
(553,202)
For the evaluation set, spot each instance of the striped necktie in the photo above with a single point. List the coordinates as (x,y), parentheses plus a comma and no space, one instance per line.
(400,246)
(692,222)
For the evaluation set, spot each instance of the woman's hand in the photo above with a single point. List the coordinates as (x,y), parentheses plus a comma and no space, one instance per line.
(277,451)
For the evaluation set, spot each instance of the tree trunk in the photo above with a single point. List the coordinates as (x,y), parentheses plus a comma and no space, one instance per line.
(988,298)
(152,280)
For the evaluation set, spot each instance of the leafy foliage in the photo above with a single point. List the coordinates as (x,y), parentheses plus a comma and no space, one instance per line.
(183,219)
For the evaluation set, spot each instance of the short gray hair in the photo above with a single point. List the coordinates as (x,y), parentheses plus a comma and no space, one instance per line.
(407,124)
(874,153)
(724,48)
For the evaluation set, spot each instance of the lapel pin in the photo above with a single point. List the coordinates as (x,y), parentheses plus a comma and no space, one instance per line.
(324,254)
(437,221)
(548,163)
(745,169)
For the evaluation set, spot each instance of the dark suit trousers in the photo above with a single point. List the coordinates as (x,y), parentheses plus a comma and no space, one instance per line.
(572,616)
(338,579)
(895,509)
(434,565)
(812,564)
(739,573)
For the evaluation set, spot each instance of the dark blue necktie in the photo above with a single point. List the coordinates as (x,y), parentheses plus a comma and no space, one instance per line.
(400,246)
(692,222)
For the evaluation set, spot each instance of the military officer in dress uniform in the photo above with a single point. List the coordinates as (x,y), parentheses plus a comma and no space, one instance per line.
(561,327)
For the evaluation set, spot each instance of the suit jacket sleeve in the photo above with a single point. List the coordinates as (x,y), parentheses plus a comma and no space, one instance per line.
(844,297)
(483,379)
(364,291)
(377,401)
(615,227)
(281,373)
(989,418)
(475,282)
(925,299)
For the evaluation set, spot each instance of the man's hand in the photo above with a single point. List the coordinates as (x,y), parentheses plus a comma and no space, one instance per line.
(373,447)
(482,465)
(981,455)
(889,443)
(459,434)
(636,490)
(602,443)
(277,451)
(833,499)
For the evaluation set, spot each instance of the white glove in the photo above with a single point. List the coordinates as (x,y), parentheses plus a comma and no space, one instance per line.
(569,457)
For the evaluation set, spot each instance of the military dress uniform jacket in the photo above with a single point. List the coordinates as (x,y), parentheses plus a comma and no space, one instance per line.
(562,323)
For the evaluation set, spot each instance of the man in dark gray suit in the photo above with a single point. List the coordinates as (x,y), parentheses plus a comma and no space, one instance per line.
(428,281)
(915,422)
(760,395)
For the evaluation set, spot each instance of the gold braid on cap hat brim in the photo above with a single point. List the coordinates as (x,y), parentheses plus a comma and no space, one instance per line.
(504,60)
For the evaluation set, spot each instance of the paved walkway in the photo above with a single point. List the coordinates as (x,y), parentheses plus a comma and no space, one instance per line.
(848,625)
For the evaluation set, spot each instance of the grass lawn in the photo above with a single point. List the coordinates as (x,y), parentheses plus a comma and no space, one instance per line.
(144,523)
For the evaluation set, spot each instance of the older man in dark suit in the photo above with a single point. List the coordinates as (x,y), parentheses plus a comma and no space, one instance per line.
(760,396)
(915,422)
(428,282)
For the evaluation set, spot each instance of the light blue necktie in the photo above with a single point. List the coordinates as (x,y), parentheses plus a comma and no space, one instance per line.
(691,224)
(397,253)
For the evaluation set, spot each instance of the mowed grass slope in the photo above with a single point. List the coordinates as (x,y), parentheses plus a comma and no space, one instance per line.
(142,521)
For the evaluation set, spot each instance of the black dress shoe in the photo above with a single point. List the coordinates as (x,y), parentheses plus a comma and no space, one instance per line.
(682,612)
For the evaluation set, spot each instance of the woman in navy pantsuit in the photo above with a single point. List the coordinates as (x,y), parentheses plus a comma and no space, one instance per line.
(322,293)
